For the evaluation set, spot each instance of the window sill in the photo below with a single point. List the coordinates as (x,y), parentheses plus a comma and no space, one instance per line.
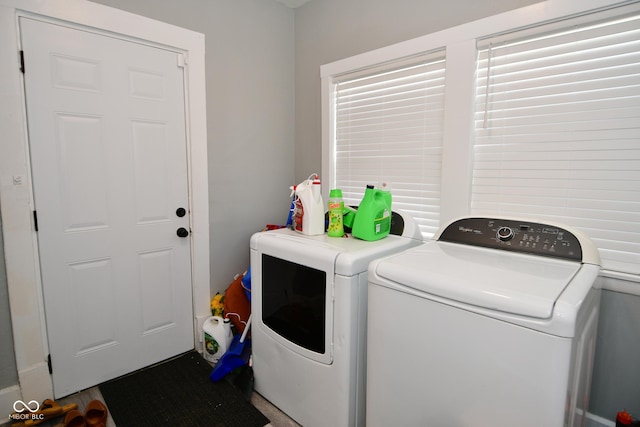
(623,282)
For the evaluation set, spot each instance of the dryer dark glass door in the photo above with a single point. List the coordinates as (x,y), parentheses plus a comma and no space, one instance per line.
(293,302)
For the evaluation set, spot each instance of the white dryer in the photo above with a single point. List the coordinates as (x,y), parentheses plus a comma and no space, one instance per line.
(493,323)
(309,314)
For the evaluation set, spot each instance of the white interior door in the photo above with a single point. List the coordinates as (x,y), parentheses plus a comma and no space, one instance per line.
(107,137)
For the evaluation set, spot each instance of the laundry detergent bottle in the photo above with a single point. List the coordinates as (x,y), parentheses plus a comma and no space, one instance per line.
(216,336)
(309,210)
(373,218)
(336,207)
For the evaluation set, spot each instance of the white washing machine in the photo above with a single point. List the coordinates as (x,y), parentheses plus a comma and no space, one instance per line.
(308,331)
(493,323)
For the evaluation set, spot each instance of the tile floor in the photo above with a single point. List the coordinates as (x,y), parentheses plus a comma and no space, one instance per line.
(277,417)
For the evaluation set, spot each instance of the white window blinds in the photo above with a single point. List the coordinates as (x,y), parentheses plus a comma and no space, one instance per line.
(557,132)
(388,129)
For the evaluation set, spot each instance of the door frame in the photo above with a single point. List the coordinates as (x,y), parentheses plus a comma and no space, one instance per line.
(16,192)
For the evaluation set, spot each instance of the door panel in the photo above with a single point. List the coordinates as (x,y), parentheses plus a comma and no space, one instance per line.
(108,152)
(151,171)
(83,171)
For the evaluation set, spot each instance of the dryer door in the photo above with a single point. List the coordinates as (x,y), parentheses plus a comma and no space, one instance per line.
(292,283)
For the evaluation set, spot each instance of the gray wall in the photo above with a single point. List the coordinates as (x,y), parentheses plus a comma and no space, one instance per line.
(249,71)
(8,372)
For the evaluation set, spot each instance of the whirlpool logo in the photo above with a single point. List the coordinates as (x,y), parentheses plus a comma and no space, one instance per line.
(26,411)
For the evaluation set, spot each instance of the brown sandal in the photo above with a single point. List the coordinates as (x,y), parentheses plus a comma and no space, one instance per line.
(74,418)
(96,414)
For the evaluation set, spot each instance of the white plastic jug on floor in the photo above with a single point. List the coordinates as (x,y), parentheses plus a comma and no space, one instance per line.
(216,336)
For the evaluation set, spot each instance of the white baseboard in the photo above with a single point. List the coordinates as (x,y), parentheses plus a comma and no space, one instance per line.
(198,332)
(35,382)
(596,421)
(8,396)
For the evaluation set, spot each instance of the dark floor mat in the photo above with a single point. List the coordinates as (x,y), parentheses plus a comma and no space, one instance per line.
(178,393)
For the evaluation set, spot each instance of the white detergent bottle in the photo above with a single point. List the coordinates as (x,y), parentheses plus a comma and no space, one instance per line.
(309,214)
(216,336)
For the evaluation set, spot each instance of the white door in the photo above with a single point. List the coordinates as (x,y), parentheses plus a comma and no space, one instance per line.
(106,123)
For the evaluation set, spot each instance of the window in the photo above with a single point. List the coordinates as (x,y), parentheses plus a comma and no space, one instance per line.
(539,118)
(557,131)
(389,131)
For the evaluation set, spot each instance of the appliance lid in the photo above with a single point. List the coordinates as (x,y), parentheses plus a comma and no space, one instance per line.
(515,283)
(348,256)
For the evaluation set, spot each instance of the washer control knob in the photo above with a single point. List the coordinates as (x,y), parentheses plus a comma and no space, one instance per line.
(504,234)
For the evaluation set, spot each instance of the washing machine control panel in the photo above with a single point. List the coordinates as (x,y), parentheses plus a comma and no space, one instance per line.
(513,235)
